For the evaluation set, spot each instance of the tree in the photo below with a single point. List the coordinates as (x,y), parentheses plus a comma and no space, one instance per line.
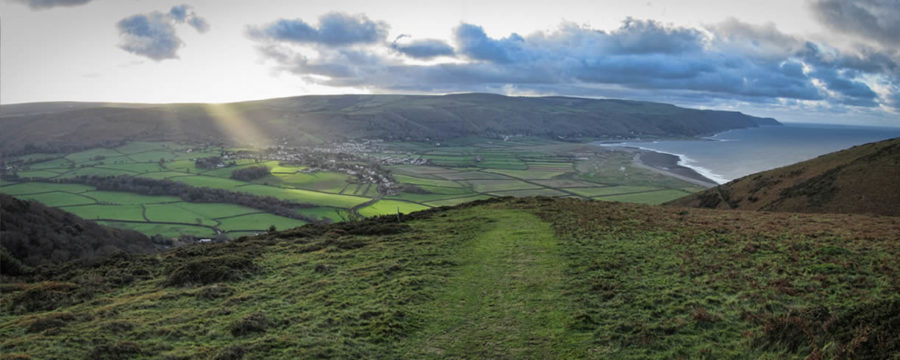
(272,228)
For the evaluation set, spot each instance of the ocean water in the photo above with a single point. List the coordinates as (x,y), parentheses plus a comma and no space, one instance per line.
(735,153)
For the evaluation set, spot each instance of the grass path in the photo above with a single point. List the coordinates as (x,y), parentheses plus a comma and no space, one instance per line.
(506,301)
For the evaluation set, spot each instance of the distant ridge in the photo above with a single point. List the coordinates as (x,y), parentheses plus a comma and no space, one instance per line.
(316,119)
(864,179)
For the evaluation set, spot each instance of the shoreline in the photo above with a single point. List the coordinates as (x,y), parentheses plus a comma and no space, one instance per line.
(671,165)
(666,164)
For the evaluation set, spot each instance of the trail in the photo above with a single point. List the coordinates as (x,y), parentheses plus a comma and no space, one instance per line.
(506,300)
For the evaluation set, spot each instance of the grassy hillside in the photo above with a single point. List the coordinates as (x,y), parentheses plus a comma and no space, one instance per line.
(510,278)
(864,179)
(33,234)
(313,119)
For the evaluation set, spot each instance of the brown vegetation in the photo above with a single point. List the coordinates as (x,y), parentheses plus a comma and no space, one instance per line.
(864,179)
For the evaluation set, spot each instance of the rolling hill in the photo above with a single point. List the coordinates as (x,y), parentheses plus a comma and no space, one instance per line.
(314,119)
(32,234)
(504,278)
(864,179)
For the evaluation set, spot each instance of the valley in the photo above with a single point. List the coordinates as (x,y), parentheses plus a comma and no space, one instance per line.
(326,183)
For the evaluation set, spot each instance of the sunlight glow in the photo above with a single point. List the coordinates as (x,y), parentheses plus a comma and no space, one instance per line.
(236,126)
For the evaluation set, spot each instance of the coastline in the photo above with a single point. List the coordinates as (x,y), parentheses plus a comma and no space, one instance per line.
(671,165)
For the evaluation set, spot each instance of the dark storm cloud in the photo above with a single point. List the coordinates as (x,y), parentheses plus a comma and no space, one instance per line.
(153,35)
(475,44)
(731,60)
(46,4)
(335,29)
(422,49)
(877,20)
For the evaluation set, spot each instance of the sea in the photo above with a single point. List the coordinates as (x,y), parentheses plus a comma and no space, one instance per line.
(736,153)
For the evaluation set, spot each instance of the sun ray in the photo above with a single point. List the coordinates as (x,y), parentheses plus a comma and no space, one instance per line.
(238,128)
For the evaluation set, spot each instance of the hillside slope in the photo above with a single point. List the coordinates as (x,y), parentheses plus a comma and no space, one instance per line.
(34,234)
(864,179)
(312,119)
(511,278)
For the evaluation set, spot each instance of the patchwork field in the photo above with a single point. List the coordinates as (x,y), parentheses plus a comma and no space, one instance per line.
(456,172)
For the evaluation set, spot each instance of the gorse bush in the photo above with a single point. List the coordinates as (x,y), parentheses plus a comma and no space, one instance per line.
(208,270)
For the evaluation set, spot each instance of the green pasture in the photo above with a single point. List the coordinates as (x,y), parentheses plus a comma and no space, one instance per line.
(388,207)
(530,192)
(652,197)
(305,196)
(114,212)
(326,181)
(166,230)
(499,185)
(37,187)
(322,212)
(406,179)
(459,200)
(259,222)
(57,198)
(209,181)
(125,198)
(611,190)
(528,174)
(60,163)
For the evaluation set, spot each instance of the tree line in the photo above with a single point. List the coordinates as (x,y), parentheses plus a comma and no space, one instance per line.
(250,173)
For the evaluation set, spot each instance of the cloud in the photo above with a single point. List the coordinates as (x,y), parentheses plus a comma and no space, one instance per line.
(335,29)
(729,61)
(475,44)
(47,4)
(185,14)
(868,19)
(153,35)
(422,49)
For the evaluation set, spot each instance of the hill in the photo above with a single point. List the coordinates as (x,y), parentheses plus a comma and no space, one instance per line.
(859,180)
(33,234)
(510,278)
(314,119)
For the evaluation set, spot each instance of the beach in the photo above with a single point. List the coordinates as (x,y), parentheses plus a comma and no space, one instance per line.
(668,164)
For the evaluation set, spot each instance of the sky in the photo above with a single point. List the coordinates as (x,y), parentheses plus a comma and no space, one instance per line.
(828,61)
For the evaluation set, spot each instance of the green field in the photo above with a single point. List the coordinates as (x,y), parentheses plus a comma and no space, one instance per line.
(305,196)
(258,222)
(460,170)
(611,190)
(499,185)
(166,230)
(650,197)
(321,181)
(333,214)
(58,198)
(122,198)
(113,212)
(390,207)
(37,187)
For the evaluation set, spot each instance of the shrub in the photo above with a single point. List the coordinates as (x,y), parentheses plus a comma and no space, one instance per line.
(115,351)
(215,291)
(43,296)
(253,323)
(230,353)
(208,270)
(52,321)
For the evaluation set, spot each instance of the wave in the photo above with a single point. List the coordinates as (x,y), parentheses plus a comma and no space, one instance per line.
(683,161)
